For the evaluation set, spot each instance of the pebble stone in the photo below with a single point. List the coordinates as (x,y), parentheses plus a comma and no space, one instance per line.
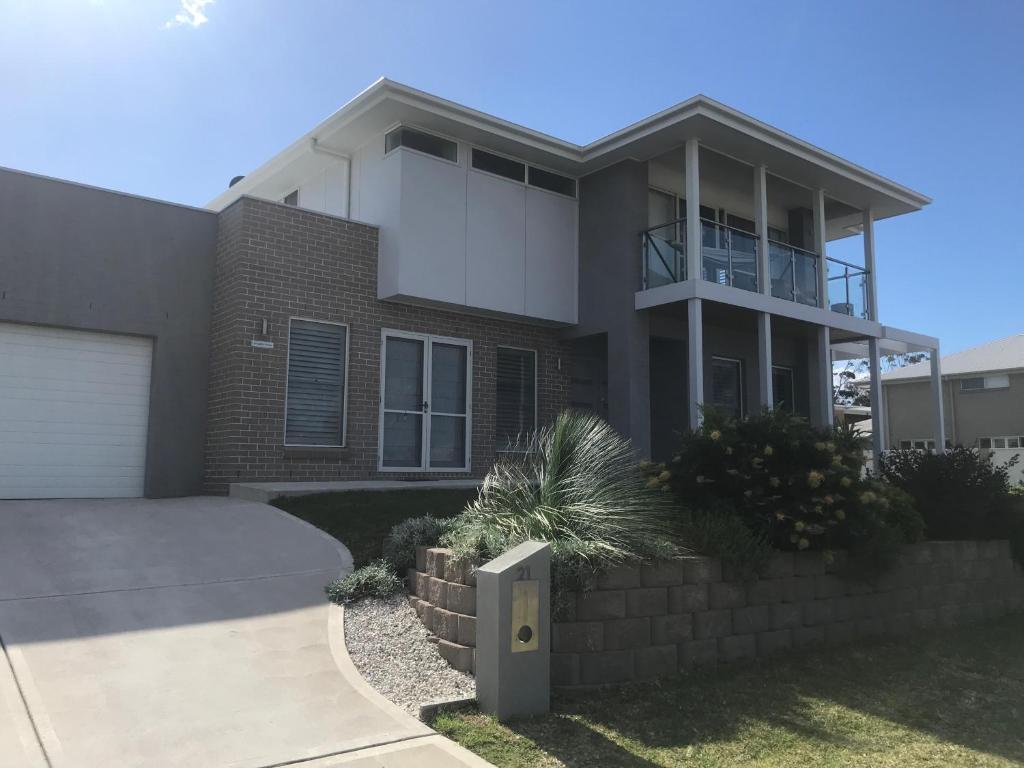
(390,648)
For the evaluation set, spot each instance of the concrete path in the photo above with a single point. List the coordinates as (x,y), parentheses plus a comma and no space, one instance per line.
(183,632)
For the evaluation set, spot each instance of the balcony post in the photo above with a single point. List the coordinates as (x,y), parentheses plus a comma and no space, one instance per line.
(938,417)
(764,360)
(819,246)
(695,361)
(826,411)
(693,228)
(869,264)
(764,281)
(877,405)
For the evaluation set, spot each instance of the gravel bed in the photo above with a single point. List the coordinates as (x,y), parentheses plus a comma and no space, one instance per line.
(388,644)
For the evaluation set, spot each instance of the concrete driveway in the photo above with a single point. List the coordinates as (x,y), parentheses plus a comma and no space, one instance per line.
(183,632)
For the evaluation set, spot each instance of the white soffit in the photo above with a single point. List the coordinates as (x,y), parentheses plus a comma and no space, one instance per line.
(386,103)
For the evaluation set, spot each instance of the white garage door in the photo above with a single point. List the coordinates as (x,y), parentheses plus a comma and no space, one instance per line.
(74,408)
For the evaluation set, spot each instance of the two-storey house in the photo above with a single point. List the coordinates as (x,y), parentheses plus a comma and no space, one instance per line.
(412,284)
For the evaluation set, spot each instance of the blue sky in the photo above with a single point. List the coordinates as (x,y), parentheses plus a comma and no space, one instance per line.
(117,93)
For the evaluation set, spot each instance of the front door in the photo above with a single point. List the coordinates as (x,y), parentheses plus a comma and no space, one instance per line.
(425,403)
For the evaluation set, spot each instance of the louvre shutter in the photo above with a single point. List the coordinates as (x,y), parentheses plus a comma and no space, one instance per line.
(316,383)
(516,403)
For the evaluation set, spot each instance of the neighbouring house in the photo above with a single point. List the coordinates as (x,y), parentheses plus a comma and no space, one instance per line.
(412,284)
(983,399)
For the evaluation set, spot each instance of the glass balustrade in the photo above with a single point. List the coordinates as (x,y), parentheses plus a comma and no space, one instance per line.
(847,288)
(729,257)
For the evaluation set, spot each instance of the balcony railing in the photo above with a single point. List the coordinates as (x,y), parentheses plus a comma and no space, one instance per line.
(728,255)
(794,273)
(847,288)
(664,251)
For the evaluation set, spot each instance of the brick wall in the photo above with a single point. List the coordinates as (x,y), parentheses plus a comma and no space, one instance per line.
(275,262)
(651,621)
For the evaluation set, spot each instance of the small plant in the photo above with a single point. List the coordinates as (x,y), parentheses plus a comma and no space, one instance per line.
(720,532)
(576,486)
(377,579)
(400,546)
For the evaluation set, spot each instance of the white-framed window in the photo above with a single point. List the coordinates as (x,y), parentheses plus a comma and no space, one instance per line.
(921,444)
(977,383)
(498,165)
(421,141)
(551,181)
(515,410)
(292,198)
(426,403)
(1004,441)
(316,391)
(727,386)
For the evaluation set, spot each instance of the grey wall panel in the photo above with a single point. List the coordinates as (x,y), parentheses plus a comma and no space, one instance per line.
(78,257)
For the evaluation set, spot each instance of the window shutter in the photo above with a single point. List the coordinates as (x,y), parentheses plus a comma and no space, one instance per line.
(516,406)
(316,383)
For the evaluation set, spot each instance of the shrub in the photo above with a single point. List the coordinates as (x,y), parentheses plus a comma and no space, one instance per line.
(960,493)
(791,484)
(400,546)
(576,486)
(377,579)
(721,533)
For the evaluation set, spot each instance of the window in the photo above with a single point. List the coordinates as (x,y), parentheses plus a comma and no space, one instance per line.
(727,386)
(516,401)
(975,383)
(315,397)
(446,149)
(778,235)
(292,198)
(918,445)
(782,388)
(499,166)
(552,182)
(425,403)
(1012,441)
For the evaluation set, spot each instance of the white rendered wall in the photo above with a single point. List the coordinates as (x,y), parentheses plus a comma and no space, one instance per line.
(452,234)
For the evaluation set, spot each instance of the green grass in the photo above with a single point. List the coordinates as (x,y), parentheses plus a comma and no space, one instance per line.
(361,519)
(945,699)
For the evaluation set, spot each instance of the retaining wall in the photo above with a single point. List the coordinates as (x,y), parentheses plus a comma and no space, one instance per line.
(653,620)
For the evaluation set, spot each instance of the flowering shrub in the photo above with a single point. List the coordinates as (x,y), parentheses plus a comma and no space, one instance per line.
(797,486)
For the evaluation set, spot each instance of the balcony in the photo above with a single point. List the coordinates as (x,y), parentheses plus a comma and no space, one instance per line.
(729,256)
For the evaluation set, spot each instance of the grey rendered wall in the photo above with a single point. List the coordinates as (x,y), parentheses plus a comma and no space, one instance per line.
(79,257)
(613,212)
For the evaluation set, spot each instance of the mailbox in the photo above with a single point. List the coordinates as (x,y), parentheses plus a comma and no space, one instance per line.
(513,632)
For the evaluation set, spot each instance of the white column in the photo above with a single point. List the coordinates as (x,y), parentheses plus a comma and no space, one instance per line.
(826,413)
(692,184)
(939,422)
(869,264)
(819,246)
(877,404)
(695,360)
(764,359)
(764,281)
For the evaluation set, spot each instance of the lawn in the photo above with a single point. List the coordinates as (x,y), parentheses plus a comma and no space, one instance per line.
(361,519)
(951,698)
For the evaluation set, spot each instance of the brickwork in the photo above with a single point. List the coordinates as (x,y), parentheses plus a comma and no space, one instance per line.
(276,262)
(655,620)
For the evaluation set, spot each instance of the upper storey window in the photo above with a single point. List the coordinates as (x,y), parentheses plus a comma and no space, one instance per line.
(498,165)
(426,143)
(552,182)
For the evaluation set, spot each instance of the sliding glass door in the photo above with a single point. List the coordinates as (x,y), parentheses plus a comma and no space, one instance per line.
(425,403)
